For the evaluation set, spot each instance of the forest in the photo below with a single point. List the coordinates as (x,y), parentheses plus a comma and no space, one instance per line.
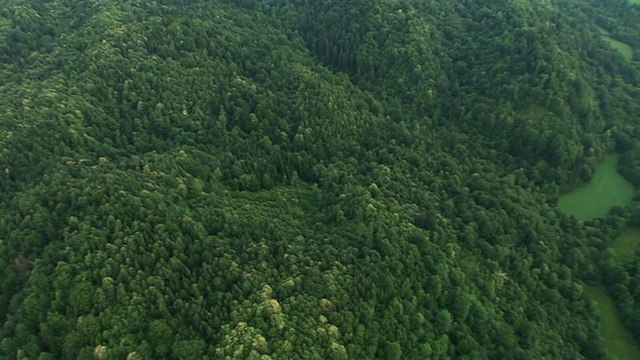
(295,179)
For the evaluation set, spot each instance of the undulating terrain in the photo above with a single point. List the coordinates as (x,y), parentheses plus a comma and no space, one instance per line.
(297,179)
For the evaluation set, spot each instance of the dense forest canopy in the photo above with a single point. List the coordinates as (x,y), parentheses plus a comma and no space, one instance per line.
(293,179)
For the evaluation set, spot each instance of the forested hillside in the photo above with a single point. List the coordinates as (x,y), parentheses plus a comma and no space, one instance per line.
(293,179)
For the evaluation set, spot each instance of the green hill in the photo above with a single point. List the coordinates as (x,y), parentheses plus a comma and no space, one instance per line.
(293,179)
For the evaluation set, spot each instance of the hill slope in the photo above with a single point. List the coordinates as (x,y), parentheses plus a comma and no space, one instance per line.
(293,179)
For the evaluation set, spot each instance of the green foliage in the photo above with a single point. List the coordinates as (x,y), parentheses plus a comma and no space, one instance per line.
(298,179)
